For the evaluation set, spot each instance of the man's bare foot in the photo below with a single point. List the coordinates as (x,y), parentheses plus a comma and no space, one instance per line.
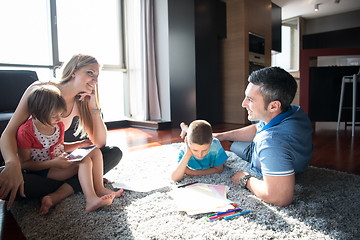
(184,129)
(99,202)
(46,204)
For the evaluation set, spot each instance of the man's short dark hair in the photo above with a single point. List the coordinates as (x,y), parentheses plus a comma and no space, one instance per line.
(276,84)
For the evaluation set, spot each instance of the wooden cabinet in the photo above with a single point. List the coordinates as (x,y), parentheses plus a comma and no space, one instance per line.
(242,16)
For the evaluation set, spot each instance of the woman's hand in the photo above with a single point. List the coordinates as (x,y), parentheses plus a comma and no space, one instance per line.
(90,97)
(98,133)
(11,181)
(85,143)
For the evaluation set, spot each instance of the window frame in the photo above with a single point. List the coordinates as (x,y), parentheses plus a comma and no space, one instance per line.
(56,63)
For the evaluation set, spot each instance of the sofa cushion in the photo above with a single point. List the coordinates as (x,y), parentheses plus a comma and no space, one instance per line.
(13,84)
(5,116)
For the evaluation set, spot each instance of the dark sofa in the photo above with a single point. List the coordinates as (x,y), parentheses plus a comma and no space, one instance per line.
(13,84)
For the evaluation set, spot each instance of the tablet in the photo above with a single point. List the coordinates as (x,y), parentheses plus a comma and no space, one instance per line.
(80,153)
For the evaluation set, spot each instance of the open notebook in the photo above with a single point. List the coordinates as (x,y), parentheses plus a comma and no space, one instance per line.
(201,198)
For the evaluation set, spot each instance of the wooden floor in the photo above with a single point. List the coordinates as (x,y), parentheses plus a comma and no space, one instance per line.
(334,150)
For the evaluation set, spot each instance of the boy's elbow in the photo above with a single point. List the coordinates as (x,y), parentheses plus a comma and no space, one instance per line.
(219,169)
(175,177)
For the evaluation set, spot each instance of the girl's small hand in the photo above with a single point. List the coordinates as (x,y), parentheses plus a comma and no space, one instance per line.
(61,161)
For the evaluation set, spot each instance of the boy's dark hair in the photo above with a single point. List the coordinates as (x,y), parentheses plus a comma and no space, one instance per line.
(45,100)
(200,132)
(276,84)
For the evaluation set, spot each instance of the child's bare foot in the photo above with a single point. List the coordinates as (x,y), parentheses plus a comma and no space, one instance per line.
(46,204)
(184,129)
(106,191)
(119,193)
(99,202)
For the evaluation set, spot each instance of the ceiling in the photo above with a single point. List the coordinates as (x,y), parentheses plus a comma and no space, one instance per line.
(305,8)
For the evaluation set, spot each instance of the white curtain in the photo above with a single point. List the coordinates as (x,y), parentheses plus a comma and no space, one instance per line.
(143,89)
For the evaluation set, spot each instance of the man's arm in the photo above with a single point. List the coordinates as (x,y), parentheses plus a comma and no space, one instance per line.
(245,134)
(277,190)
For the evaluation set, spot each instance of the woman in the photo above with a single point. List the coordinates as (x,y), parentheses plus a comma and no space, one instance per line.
(78,87)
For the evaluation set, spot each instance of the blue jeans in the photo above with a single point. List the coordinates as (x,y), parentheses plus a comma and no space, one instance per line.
(243,150)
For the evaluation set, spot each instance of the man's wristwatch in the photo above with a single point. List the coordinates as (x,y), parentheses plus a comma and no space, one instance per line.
(244,180)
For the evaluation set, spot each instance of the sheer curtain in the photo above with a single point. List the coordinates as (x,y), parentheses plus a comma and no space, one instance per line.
(143,88)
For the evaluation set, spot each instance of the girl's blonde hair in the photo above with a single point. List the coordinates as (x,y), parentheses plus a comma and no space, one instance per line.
(85,120)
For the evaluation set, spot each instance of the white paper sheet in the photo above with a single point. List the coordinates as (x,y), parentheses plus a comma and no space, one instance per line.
(202,198)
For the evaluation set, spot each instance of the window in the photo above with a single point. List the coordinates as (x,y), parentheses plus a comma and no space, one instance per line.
(25,35)
(290,39)
(41,34)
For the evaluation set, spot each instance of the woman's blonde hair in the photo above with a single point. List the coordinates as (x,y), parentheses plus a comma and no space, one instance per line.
(85,120)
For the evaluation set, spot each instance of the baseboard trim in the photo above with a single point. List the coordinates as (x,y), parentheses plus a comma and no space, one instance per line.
(117,124)
(155,125)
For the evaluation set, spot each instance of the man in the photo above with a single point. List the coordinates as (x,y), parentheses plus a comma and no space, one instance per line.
(280,144)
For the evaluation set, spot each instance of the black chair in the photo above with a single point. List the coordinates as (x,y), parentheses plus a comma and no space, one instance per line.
(13,84)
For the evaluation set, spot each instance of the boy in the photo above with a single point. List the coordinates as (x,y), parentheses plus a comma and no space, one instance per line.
(202,154)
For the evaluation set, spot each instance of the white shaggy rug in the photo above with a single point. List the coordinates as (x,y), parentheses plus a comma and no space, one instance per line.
(326,206)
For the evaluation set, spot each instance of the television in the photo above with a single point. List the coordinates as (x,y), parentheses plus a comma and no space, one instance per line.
(256,44)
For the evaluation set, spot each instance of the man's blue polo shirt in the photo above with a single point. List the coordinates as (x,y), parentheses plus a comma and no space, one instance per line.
(284,145)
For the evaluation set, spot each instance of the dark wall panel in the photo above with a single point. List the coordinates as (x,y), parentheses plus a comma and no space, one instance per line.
(210,26)
(276,27)
(346,38)
(182,61)
(195,28)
